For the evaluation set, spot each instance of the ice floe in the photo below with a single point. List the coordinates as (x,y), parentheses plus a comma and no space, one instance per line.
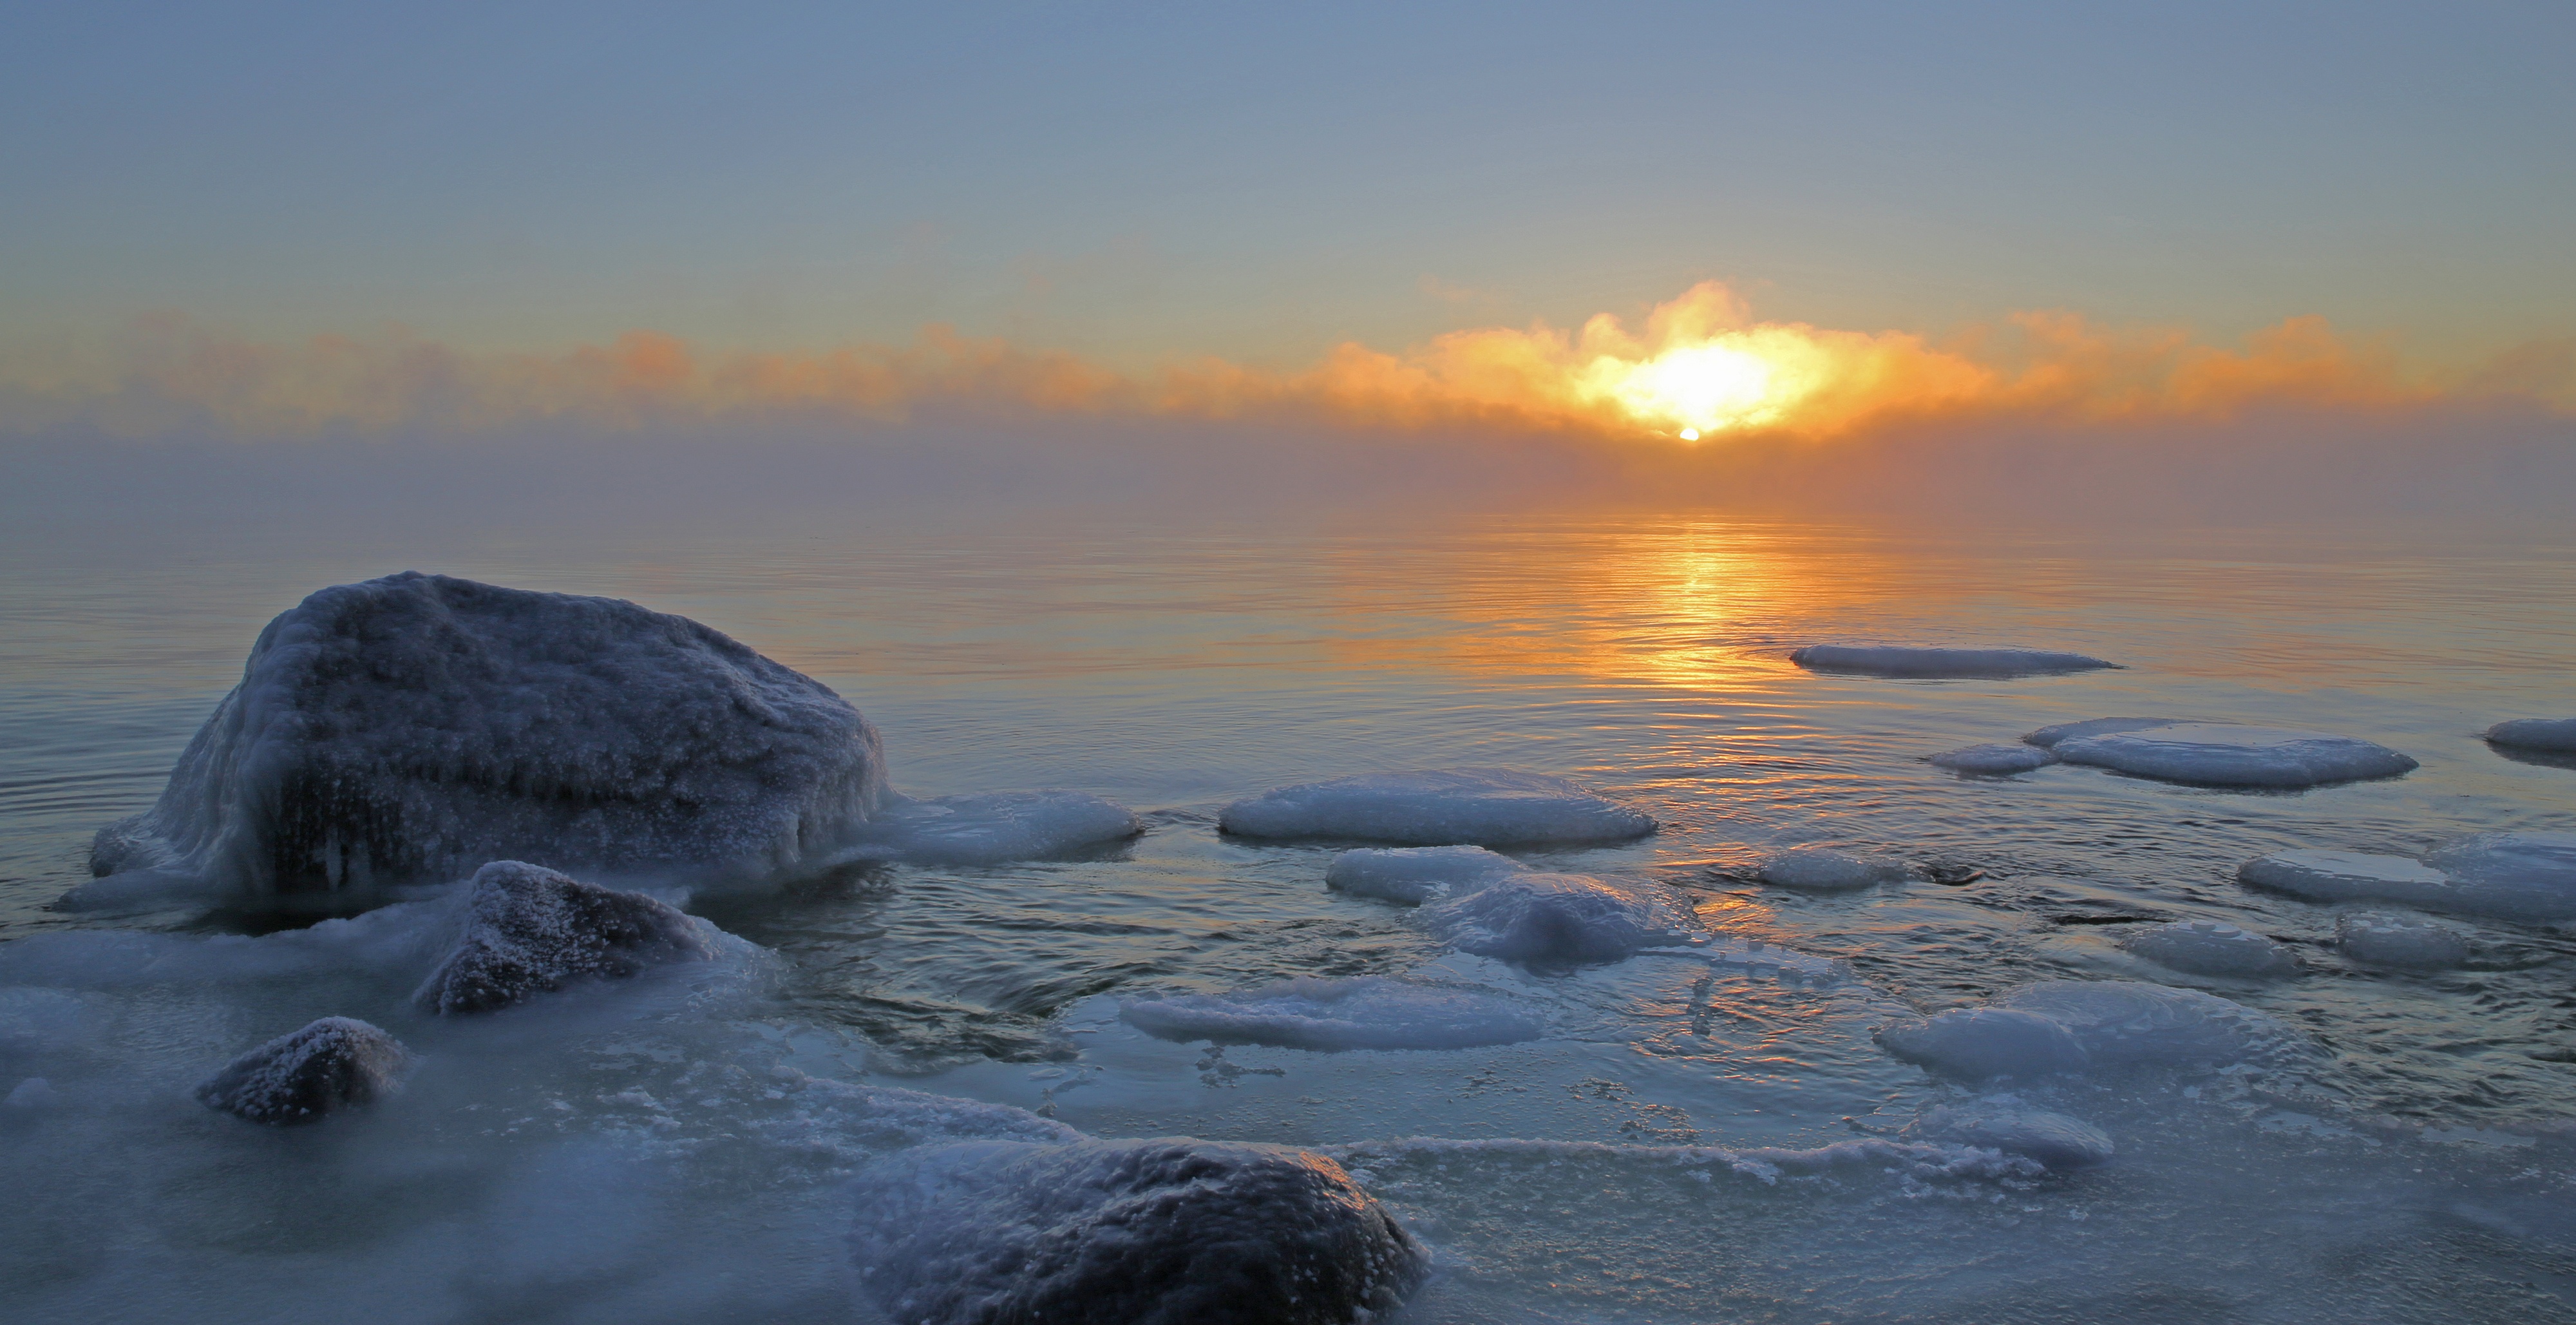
(1927,661)
(1370,1012)
(1993,759)
(2047,738)
(2543,735)
(2208,947)
(1438,807)
(531,931)
(2058,1026)
(2215,754)
(1161,1232)
(2390,940)
(1822,870)
(2346,876)
(2510,875)
(1534,917)
(2053,1139)
(984,828)
(305,1074)
(1414,875)
(1981,1044)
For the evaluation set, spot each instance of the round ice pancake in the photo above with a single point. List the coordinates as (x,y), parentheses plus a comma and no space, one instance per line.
(1438,807)
(2555,736)
(2346,876)
(2390,940)
(1535,917)
(1981,1044)
(983,828)
(1370,1012)
(1414,875)
(2226,755)
(1820,870)
(1916,660)
(2208,947)
(1994,759)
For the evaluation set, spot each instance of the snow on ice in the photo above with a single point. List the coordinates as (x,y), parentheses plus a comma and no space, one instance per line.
(1490,807)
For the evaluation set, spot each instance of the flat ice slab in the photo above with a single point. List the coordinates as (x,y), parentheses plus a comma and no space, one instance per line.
(2346,876)
(1414,875)
(985,828)
(2056,1026)
(1534,917)
(1995,759)
(2047,738)
(1371,1012)
(2226,755)
(2514,876)
(2555,736)
(1438,807)
(2390,940)
(2208,947)
(1922,660)
(1820,870)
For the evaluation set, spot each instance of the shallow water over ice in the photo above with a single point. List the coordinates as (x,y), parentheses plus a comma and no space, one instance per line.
(681,1148)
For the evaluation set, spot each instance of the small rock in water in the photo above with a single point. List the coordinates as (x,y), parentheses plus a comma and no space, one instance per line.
(303,1075)
(2387,940)
(1414,875)
(2055,1140)
(2545,735)
(1161,1232)
(1994,759)
(1816,869)
(1910,660)
(1532,917)
(530,931)
(2215,754)
(2208,947)
(1981,1044)
(1491,807)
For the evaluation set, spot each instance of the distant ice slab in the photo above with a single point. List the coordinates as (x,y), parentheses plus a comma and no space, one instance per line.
(1910,660)
(1533,917)
(1490,807)
(985,828)
(2053,1139)
(2057,1026)
(1994,759)
(2555,736)
(1414,875)
(2381,939)
(2209,947)
(1371,1012)
(1822,870)
(2226,755)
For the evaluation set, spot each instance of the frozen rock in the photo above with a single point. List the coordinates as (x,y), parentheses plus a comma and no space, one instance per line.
(2208,947)
(2123,1021)
(411,728)
(1161,1232)
(989,827)
(1981,1044)
(2053,1139)
(2388,940)
(2226,755)
(1917,660)
(530,931)
(1532,917)
(1367,1013)
(2520,876)
(302,1075)
(2555,736)
(2047,738)
(1994,759)
(1818,870)
(1438,807)
(31,1095)
(1414,875)
(2346,876)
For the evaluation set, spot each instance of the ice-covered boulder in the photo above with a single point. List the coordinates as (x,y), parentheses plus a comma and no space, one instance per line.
(1981,1044)
(409,729)
(1414,875)
(2520,876)
(530,931)
(1926,661)
(2209,947)
(2346,876)
(1371,1012)
(2388,940)
(2047,738)
(2053,1139)
(1533,917)
(1820,870)
(2214,754)
(983,828)
(1993,759)
(2074,1025)
(2552,736)
(1438,807)
(305,1074)
(1161,1232)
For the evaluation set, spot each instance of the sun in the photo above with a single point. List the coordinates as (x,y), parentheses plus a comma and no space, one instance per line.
(1701,388)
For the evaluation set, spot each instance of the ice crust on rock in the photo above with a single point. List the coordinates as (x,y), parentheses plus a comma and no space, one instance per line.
(1534,917)
(2053,1139)
(305,1074)
(2518,875)
(531,931)
(2213,754)
(1927,661)
(2208,947)
(2074,1025)
(2555,736)
(411,728)
(984,828)
(1414,875)
(1820,870)
(1161,1232)
(2048,738)
(1438,807)
(1370,1012)
(1994,759)
(2389,940)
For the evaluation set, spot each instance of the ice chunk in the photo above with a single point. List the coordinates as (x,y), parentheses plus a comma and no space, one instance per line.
(1534,917)
(2388,940)
(988,827)
(2346,876)
(2123,1021)
(530,930)
(31,1095)
(1994,759)
(1414,875)
(2047,738)
(1980,1044)
(1162,1232)
(2053,1139)
(2555,736)
(36,1021)
(2226,755)
(2208,947)
(411,728)
(1438,807)
(2521,876)
(300,1076)
(1919,660)
(1370,1012)
(1815,869)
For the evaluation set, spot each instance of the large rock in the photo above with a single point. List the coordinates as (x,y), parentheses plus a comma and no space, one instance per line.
(411,728)
(531,931)
(1163,1232)
(303,1075)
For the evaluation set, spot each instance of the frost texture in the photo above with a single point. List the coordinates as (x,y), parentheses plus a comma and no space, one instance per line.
(1414,875)
(989,827)
(2053,1139)
(2386,940)
(411,728)
(2226,755)
(1924,661)
(2074,1025)
(1535,917)
(2209,947)
(1815,869)
(1995,759)
(2555,736)
(303,1075)
(1161,1232)
(530,931)
(1371,1012)
(1438,807)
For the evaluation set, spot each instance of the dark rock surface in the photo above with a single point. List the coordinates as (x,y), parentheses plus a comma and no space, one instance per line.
(303,1075)
(530,931)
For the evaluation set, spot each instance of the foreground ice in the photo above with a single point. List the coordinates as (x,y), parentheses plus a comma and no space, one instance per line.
(2347,876)
(2208,947)
(1925,661)
(2510,875)
(984,828)
(530,931)
(1438,807)
(1414,875)
(2227,755)
(2544,735)
(1371,1012)
(303,1075)
(1818,869)
(2056,1026)
(1533,917)
(1994,759)
(2053,1139)
(2388,940)
(1162,1232)
(409,729)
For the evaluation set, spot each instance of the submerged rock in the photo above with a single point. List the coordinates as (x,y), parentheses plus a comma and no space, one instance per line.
(1161,1232)
(531,931)
(410,728)
(2215,754)
(2053,1139)
(1438,807)
(1371,1012)
(1414,875)
(1816,869)
(1927,661)
(2387,940)
(303,1075)
(1532,917)
(1994,759)
(2209,947)
(2554,736)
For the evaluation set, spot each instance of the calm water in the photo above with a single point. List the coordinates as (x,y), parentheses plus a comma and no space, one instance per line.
(636,1161)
